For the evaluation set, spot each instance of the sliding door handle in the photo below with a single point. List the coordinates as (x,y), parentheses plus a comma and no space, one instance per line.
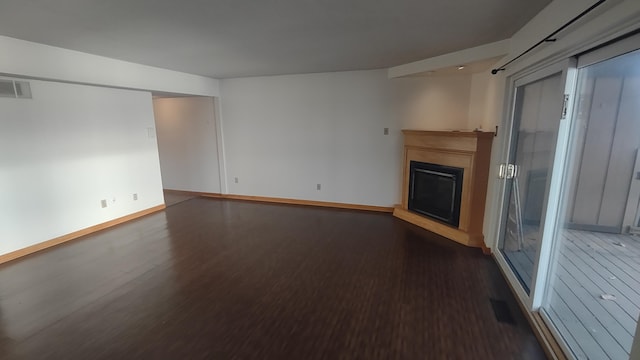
(502,171)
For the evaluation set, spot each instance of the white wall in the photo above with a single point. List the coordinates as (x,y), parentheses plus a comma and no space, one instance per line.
(187,143)
(486,100)
(24,58)
(432,102)
(65,150)
(285,134)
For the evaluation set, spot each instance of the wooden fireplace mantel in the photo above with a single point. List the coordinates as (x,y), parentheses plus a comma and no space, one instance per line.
(463,149)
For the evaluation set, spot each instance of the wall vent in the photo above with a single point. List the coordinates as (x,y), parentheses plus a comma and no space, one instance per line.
(15,89)
(7,89)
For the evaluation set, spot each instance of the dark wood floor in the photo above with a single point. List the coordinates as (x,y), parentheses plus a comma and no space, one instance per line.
(172,197)
(217,279)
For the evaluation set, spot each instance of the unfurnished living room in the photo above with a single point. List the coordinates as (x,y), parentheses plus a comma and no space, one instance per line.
(233,179)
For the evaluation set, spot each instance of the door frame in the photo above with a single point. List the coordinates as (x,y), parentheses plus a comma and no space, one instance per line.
(567,69)
(619,48)
(553,207)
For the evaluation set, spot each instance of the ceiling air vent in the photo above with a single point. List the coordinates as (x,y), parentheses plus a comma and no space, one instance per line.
(15,89)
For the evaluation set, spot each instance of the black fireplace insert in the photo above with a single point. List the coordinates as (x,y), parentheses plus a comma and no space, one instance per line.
(435,191)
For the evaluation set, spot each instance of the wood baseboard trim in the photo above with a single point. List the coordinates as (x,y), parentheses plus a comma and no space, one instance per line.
(308,203)
(284,201)
(76,234)
(486,250)
(92,229)
(550,345)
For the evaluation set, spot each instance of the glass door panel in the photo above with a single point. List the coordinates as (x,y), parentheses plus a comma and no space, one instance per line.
(536,119)
(593,289)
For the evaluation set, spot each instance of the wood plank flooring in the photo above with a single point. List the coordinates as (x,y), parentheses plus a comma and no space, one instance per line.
(591,264)
(224,279)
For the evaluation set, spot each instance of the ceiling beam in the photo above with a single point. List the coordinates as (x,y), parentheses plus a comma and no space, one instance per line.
(462,57)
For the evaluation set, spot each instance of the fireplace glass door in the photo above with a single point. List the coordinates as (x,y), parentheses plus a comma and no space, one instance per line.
(435,191)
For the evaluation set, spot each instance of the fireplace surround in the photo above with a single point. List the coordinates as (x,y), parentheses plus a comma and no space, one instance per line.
(463,155)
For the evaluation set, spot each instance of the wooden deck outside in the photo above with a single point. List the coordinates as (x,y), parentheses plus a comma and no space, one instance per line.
(591,266)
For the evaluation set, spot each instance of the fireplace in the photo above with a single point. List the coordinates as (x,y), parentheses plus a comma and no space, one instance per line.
(444,182)
(435,191)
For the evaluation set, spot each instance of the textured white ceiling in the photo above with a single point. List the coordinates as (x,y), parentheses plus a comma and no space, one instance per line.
(232,38)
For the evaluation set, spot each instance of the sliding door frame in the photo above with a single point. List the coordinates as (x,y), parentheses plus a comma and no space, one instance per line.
(616,22)
(553,207)
(619,48)
(566,68)
(546,247)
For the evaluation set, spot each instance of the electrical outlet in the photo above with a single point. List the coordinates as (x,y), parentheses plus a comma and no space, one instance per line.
(103,203)
(386,131)
(235,180)
(318,187)
(135,197)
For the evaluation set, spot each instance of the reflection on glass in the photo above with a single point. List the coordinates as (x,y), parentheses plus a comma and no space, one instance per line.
(536,121)
(593,294)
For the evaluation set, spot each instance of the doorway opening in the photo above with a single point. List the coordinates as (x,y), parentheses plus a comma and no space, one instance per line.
(188,146)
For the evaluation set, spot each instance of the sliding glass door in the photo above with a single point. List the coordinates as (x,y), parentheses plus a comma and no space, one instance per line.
(536,119)
(537,115)
(593,292)
(569,230)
